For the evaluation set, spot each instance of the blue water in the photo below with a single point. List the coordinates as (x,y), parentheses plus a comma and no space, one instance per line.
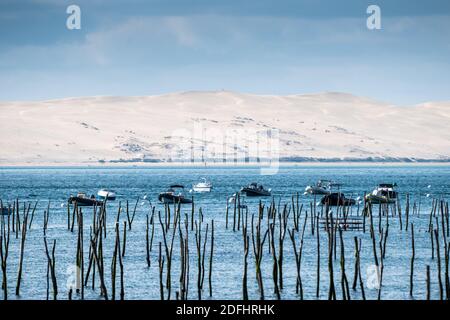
(55,185)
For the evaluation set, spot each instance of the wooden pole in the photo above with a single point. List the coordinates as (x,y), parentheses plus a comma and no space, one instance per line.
(411,276)
(283,221)
(234,212)
(131,219)
(97,257)
(361,283)
(246,245)
(124,243)
(331,291)
(226,217)
(32,215)
(244,278)
(399,209)
(275,264)
(52,265)
(258,244)
(432,242)
(355,275)
(22,249)
(114,265)
(147,242)
(4,250)
(122,286)
(438,254)
(344,281)
(68,215)
(211,259)
(318,259)
(161,271)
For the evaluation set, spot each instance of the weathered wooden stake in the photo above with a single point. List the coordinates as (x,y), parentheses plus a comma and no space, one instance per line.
(275,264)
(344,281)
(318,259)
(411,276)
(161,271)
(124,243)
(52,265)
(211,259)
(22,249)
(438,254)
(4,250)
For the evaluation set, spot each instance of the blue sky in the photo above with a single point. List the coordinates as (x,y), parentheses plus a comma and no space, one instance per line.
(139,47)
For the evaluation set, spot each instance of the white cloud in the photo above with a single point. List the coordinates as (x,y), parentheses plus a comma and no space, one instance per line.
(254,52)
(211,34)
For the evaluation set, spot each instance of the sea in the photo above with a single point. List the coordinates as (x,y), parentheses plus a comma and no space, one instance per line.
(50,188)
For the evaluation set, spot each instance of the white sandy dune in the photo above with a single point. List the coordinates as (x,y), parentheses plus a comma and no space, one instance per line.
(93,130)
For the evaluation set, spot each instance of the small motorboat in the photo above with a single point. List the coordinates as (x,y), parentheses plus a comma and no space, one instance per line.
(174,195)
(322,187)
(106,194)
(256,190)
(203,186)
(337,199)
(84,201)
(384,193)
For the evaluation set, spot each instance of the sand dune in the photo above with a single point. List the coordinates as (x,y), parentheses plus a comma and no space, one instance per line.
(92,130)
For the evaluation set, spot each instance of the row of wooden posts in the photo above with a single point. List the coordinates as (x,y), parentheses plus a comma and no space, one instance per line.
(378,236)
(267,228)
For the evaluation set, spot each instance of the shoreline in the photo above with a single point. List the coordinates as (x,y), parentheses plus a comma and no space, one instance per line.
(180,165)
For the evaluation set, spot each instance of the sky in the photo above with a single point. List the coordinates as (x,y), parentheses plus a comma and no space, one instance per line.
(147,47)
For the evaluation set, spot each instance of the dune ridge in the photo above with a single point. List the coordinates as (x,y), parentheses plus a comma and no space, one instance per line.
(327,126)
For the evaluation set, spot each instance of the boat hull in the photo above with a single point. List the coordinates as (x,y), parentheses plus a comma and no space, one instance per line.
(108,195)
(318,191)
(83,202)
(201,189)
(170,198)
(256,193)
(112,198)
(334,201)
(379,199)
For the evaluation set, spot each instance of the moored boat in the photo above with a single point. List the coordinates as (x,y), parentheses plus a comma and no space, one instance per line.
(174,195)
(82,200)
(106,194)
(203,186)
(256,190)
(337,199)
(384,193)
(322,187)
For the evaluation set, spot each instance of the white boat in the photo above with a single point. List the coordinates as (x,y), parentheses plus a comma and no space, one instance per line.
(384,193)
(321,187)
(203,186)
(106,194)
